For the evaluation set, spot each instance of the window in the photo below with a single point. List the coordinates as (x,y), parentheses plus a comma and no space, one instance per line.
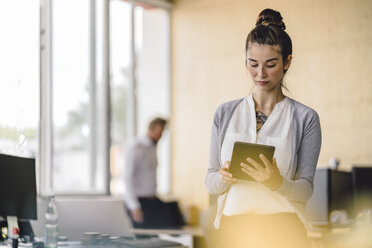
(104,75)
(122,101)
(19,77)
(152,73)
(140,82)
(76,164)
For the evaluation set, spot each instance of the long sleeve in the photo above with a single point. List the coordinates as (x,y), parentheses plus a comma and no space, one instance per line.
(213,180)
(300,187)
(130,166)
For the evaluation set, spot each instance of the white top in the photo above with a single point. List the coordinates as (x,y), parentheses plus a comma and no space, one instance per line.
(248,196)
(140,171)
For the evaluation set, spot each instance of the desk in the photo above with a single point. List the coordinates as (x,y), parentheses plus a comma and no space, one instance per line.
(355,237)
(79,244)
(188,236)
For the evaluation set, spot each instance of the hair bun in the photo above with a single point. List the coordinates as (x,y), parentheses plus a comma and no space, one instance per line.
(270,17)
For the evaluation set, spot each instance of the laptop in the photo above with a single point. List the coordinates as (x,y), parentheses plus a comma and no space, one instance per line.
(102,215)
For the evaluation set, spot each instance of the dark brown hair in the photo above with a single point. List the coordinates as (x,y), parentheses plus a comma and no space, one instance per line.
(270,30)
(157,122)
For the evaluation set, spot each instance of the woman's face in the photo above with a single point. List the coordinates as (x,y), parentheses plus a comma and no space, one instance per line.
(265,65)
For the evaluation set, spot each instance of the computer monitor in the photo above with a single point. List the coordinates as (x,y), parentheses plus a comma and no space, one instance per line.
(362,187)
(17,187)
(332,191)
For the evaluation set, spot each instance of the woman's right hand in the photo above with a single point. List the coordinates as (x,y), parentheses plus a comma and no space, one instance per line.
(226,175)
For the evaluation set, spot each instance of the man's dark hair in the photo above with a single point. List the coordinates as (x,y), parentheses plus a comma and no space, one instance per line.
(158,121)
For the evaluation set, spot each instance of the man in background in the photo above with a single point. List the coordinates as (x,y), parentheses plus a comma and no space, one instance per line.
(145,208)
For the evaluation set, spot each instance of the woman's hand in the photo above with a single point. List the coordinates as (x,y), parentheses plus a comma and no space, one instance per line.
(226,175)
(268,175)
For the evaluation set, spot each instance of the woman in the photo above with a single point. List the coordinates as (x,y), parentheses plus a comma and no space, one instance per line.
(265,212)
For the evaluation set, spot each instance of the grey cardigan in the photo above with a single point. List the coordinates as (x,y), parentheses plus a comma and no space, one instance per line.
(298,184)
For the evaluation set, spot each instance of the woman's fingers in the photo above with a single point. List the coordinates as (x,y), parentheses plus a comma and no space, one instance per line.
(268,165)
(229,180)
(268,175)
(252,172)
(255,165)
(247,168)
(225,172)
(227,176)
(257,171)
(274,163)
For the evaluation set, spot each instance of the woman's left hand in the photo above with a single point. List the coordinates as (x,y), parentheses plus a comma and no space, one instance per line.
(268,175)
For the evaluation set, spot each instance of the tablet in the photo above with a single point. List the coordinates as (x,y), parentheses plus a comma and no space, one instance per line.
(242,151)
